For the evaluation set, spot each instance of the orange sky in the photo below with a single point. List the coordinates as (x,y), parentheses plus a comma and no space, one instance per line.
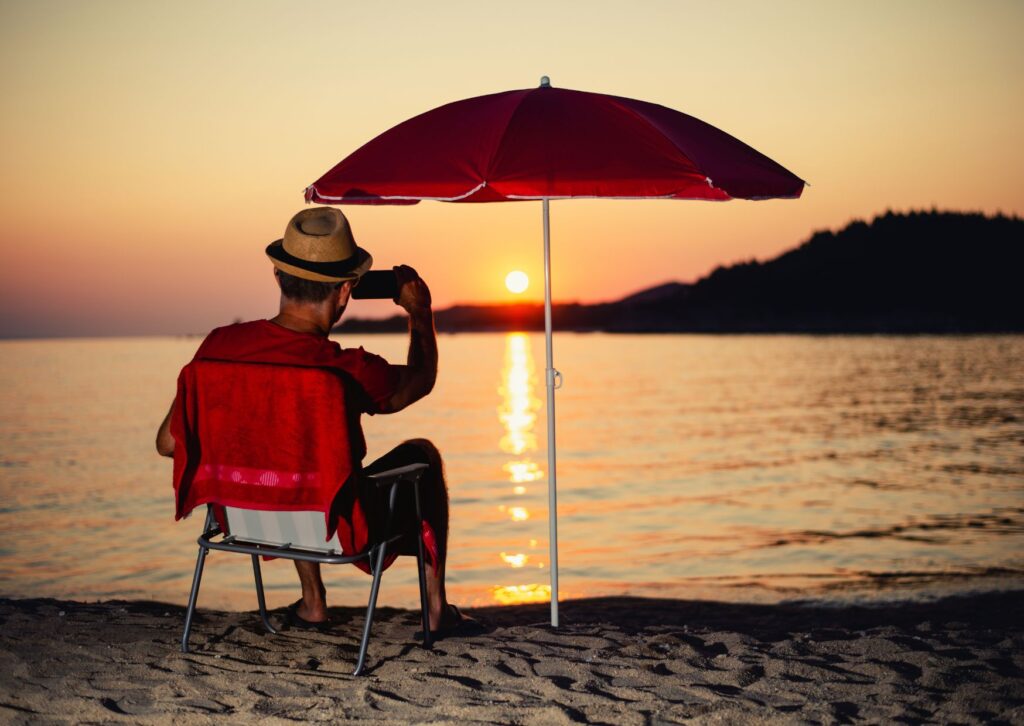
(151,150)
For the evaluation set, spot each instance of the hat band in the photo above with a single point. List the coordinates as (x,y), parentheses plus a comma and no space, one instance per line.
(337,268)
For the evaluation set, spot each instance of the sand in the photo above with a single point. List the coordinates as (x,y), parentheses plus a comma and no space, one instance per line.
(616,660)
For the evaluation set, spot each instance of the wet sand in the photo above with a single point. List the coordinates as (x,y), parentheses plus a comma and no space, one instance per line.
(616,660)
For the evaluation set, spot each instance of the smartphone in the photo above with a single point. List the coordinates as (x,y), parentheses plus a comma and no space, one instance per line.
(377,285)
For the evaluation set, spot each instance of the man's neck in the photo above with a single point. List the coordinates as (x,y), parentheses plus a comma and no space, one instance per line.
(303,319)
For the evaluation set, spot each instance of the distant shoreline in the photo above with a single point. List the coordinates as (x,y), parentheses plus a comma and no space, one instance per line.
(714,333)
(452,333)
(919,273)
(561,331)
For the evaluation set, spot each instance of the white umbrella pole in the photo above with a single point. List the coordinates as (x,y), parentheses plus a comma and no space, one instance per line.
(550,374)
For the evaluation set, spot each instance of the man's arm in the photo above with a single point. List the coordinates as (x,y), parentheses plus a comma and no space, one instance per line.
(164,440)
(417,377)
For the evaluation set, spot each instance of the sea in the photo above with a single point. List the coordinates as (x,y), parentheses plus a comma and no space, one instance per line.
(755,468)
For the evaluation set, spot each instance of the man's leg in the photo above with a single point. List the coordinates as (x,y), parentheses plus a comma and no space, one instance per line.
(434,508)
(313,606)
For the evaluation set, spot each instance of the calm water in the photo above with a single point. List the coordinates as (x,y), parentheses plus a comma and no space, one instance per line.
(739,467)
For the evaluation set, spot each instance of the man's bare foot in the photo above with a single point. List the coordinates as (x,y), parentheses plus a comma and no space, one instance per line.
(315,613)
(448,619)
(297,619)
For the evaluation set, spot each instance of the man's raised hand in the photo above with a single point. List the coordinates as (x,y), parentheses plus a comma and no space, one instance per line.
(413,293)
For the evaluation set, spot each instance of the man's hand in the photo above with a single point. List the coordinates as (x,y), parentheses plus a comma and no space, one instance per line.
(417,377)
(413,293)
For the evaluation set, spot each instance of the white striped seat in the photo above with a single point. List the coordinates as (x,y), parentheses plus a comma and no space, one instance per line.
(304,530)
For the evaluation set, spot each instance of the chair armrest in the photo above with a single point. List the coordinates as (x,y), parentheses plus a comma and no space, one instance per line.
(390,480)
(400,473)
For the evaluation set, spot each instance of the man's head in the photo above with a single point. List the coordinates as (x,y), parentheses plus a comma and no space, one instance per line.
(331,297)
(318,261)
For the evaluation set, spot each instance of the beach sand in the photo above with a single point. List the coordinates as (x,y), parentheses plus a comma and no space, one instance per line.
(615,660)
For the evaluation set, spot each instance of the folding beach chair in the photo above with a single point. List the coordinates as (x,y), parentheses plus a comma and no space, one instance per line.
(295,535)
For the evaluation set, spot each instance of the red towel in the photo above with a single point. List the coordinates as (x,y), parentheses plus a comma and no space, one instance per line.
(266,437)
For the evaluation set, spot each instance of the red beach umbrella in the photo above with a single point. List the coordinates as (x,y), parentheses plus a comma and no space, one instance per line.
(552,143)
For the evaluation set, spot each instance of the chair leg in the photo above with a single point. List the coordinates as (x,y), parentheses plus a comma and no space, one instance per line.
(259,595)
(421,567)
(378,567)
(196,579)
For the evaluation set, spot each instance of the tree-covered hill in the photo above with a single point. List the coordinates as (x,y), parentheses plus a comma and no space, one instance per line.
(900,273)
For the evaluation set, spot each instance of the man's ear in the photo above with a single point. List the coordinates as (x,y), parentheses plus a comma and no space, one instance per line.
(341,294)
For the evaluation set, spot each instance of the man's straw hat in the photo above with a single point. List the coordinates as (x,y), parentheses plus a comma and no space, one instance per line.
(318,245)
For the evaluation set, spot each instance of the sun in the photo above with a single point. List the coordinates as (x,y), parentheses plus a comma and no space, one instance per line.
(517,281)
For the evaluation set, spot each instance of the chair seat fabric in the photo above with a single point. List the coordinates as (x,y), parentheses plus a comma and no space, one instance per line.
(301,530)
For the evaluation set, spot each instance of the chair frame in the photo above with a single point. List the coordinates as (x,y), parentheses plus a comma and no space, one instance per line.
(374,555)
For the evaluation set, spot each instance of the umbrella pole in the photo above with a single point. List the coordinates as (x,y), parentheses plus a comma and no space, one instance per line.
(550,374)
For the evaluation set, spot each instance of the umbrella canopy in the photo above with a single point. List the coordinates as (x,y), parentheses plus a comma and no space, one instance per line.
(552,143)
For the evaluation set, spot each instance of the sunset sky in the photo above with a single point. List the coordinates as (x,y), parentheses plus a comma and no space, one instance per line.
(150,151)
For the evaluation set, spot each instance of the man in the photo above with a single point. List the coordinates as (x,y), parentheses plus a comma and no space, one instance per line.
(317,264)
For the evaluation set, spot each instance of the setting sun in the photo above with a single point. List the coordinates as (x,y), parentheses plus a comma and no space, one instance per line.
(517,281)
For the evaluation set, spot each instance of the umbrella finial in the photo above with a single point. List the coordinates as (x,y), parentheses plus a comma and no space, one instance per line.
(545,82)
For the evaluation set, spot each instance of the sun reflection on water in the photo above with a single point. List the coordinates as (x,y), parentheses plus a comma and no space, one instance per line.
(523,470)
(520,594)
(516,560)
(518,414)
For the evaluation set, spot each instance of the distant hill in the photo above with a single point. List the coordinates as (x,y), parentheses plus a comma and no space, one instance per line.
(900,273)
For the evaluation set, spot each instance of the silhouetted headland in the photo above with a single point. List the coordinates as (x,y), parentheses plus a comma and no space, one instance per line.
(922,272)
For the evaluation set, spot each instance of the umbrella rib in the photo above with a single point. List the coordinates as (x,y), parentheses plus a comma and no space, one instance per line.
(504,133)
(527,197)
